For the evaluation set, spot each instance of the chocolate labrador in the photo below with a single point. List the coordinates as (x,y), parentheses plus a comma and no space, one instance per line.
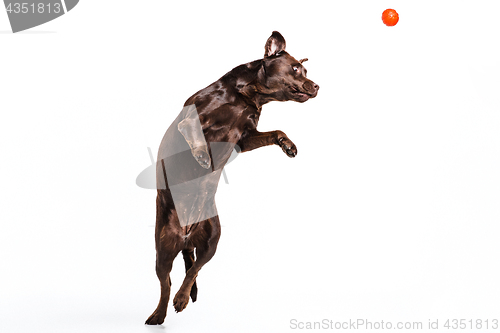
(214,122)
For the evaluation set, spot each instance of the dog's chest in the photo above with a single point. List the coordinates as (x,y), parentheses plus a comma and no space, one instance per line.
(247,121)
(233,125)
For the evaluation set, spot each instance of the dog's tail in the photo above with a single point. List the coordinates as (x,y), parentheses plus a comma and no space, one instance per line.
(188,255)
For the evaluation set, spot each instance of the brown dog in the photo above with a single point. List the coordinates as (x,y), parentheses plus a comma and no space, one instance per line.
(215,121)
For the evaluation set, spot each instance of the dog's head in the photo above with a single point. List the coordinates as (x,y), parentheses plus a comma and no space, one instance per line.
(285,79)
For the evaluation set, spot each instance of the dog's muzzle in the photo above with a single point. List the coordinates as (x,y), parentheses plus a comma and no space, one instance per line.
(310,88)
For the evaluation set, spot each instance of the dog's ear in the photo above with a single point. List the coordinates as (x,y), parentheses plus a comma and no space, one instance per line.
(275,44)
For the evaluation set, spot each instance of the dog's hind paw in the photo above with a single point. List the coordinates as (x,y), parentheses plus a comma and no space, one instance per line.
(287,146)
(155,319)
(180,302)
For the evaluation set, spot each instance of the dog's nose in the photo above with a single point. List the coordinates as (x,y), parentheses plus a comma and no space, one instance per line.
(311,87)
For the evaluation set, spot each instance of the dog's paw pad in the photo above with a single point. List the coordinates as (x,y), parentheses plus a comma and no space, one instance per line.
(288,147)
(291,152)
(203,158)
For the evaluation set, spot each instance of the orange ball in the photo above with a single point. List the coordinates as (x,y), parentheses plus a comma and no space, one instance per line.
(390,17)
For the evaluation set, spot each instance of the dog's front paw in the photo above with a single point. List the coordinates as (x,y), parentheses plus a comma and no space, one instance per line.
(202,157)
(287,146)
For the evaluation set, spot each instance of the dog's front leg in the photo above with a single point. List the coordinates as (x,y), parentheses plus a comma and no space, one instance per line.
(192,132)
(255,139)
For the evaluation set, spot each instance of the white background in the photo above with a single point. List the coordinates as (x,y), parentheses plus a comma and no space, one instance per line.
(389,212)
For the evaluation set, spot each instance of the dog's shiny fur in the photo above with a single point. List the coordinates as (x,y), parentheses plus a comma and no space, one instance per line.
(228,111)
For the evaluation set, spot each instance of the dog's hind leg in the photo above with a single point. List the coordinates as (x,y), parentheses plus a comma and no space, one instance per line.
(188,255)
(163,268)
(168,245)
(205,241)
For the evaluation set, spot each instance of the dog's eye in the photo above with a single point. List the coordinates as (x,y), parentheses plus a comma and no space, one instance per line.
(295,69)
